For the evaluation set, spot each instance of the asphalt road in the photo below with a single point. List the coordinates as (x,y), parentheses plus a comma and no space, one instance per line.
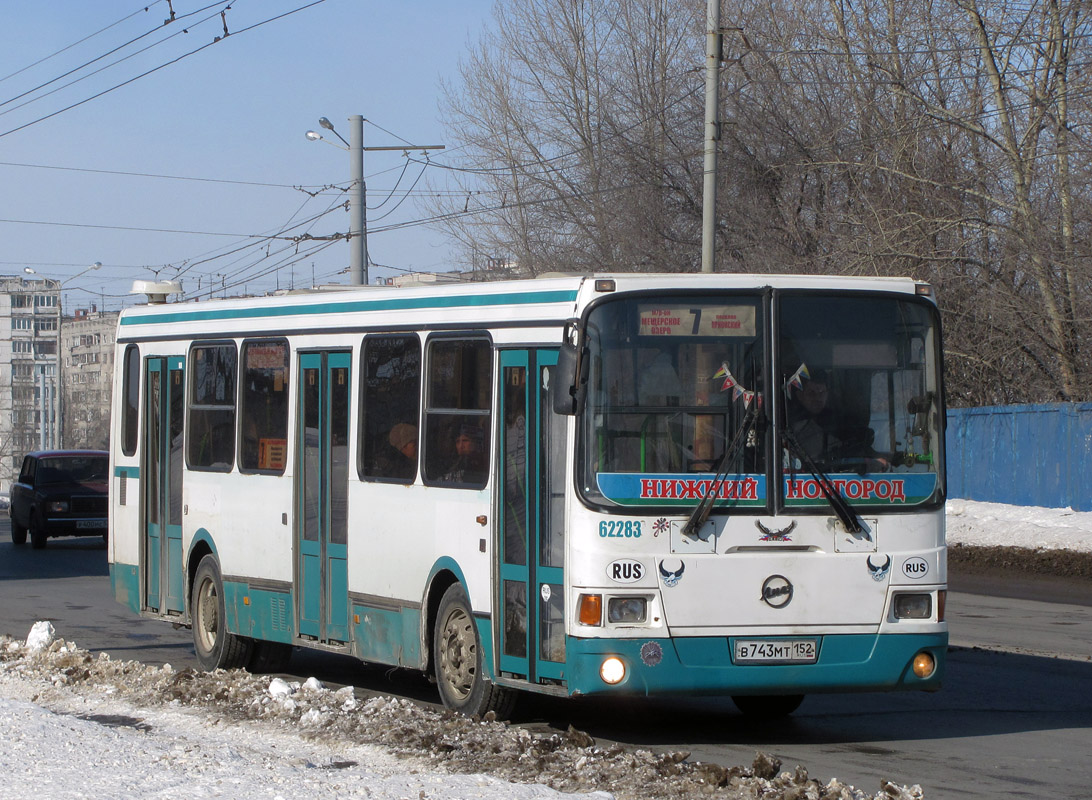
(1014,718)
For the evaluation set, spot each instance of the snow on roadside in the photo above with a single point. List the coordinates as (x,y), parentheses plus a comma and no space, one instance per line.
(76,726)
(971,522)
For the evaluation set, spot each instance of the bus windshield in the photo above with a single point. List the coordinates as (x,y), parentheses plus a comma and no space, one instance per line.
(858,378)
(671,380)
(677,403)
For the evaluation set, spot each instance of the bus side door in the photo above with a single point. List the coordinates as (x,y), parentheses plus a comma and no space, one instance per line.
(322,490)
(531,622)
(164,413)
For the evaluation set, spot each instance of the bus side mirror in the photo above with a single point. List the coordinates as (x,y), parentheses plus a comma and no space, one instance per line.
(567,390)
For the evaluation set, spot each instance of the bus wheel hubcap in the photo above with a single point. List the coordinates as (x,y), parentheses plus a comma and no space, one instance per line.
(458,655)
(208,613)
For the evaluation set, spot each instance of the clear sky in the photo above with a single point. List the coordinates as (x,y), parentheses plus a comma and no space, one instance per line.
(226,118)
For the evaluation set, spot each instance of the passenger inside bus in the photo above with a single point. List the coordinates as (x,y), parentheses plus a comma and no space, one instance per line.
(403,461)
(469,465)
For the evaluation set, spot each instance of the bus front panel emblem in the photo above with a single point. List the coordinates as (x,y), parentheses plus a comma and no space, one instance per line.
(776,591)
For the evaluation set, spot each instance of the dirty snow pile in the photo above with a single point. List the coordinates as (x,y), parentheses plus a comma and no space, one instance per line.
(75,725)
(980,524)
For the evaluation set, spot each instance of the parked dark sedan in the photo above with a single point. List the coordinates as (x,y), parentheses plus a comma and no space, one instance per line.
(60,493)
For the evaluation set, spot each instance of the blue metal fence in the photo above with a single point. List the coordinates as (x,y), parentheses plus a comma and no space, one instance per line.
(1035,455)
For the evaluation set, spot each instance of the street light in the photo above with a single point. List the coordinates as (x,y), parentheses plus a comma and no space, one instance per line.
(315,136)
(358,214)
(32,271)
(330,127)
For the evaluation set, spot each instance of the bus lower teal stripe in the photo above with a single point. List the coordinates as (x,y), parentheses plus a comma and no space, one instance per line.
(127,472)
(703,666)
(353,306)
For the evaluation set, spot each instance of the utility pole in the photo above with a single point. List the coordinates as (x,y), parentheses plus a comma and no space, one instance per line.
(712,136)
(358,191)
(358,212)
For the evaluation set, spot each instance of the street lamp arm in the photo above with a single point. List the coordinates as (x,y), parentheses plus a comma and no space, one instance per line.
(96,265)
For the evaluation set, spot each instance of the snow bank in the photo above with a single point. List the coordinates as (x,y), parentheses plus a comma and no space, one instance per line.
(78,726)
(972,522)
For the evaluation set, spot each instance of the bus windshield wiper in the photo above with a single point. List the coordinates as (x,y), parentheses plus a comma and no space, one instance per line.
(704,507)
(846,513)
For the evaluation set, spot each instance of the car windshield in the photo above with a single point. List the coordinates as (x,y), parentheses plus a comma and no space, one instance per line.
(71,469)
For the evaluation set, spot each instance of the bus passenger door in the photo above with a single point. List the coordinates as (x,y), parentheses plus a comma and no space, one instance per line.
(322,489)
(163,418)
(531,619)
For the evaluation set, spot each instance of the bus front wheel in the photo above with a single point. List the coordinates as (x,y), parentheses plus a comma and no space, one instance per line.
(768,705)
(215,646)
(457,661)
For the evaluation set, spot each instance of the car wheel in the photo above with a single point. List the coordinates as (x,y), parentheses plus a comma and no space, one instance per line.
(215,646)
(38,535)
(457,661)
(18,533)
(768,706)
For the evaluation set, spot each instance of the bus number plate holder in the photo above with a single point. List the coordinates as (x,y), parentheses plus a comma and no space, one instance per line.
(775,651)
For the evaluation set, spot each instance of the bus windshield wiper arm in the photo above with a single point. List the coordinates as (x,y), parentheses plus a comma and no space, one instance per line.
(846,513)
(704,507)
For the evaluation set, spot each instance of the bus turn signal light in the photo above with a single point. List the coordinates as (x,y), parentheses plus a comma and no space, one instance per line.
(591,609)
(924,665)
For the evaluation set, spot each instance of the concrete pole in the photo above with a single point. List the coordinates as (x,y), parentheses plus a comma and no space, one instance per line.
(42,422)
(712,136)
(358,214)
(57,429)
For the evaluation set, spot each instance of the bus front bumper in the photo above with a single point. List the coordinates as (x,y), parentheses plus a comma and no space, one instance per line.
(704,665)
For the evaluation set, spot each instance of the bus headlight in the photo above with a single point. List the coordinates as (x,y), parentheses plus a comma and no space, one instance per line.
(612,670)
(627,610)
(913,606)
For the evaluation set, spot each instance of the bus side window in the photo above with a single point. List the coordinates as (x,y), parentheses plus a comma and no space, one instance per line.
(457,413)
(211,429)
(263,410)
(390,372)
(130,410)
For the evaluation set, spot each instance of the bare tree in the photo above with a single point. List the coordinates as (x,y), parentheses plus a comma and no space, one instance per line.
(943,139)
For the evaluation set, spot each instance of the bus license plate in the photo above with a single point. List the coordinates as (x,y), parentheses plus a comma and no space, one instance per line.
(776,651)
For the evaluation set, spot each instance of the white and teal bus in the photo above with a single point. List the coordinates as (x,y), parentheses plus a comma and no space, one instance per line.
(604,485)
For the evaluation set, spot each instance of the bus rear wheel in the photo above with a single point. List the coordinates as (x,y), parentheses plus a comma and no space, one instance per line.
(215,646)
(457,661)
(768,705)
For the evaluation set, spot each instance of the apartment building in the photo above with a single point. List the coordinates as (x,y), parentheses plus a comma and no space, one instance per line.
(55,373)
(30,321)
(87,363)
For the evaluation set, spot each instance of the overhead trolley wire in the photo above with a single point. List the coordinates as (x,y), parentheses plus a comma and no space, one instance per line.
(161,66)
(144,8)
(74,70)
